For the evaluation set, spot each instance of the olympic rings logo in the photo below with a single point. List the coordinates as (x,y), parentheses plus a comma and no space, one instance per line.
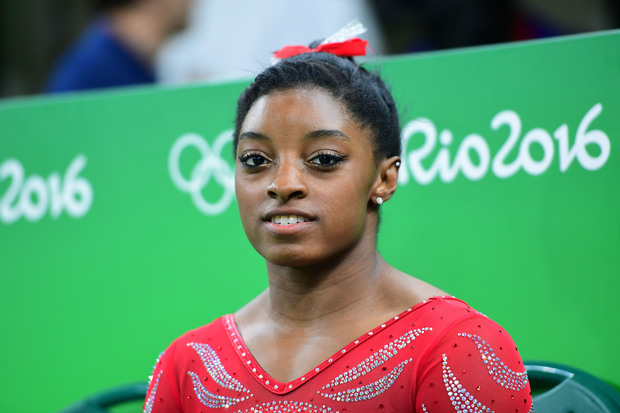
(211,165)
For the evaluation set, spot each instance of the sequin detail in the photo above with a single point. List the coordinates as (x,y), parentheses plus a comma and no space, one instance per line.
(216,371)
(286,406)
(215,368)
(211,400)
(155,366)
(504,376)
(377,359)
(370,390)
(461,399)
(150,400)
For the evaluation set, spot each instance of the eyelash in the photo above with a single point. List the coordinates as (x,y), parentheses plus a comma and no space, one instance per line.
(245,158)
(332,159)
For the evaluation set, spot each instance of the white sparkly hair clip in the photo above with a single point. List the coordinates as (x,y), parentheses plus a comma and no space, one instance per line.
(352,29)
(344,43)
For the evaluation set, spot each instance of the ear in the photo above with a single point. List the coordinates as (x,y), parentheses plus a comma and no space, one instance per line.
(387,179)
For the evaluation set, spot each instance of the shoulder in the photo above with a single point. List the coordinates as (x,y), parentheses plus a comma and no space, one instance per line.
(454,320)
(192,340)
(448,324)
(174,367)
(477,357)
(206,332)
(459,335)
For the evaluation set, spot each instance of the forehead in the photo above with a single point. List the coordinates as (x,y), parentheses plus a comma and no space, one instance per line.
(299,108)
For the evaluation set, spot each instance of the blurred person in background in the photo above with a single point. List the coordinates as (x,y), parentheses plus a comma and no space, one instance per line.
(228,40)
(231,40)
(119,47)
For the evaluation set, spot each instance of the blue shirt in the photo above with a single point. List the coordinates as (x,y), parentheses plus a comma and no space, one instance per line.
(99,60)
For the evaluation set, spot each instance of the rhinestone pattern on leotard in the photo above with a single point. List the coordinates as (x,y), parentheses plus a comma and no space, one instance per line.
(503,375)
(150,400)
(377,359)
(218,373)
(286,406)
(212,400)
(462,400)
(370,390)
(216,369)
(395,369)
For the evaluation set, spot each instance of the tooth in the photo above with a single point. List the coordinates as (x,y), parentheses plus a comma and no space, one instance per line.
(287,219)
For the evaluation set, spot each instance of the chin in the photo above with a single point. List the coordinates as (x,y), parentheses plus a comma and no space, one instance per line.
(284,258)
(290,261)
(295,258)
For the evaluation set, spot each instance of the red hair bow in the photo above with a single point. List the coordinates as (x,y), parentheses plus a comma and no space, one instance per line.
(350,47)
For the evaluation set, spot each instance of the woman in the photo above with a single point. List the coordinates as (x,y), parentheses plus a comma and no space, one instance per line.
(317,142)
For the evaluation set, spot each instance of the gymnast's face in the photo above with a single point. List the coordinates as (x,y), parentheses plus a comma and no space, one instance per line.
(305,176)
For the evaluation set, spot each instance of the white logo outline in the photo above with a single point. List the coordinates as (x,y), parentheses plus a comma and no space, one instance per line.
(210,165)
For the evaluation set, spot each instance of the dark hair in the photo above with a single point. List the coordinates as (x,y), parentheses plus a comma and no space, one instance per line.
(362,92)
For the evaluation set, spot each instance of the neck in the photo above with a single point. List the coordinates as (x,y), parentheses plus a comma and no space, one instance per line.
(331,290)
(140,29)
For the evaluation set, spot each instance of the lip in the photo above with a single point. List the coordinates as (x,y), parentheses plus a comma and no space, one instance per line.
(289,229)
(287,211)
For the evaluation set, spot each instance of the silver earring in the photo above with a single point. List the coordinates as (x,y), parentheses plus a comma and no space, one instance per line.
(379,200)
(398,164)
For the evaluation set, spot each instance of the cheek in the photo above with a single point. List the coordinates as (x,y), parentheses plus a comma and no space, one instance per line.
(245,201)
(347,202)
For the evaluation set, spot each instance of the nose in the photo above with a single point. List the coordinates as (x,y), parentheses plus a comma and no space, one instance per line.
(288,182)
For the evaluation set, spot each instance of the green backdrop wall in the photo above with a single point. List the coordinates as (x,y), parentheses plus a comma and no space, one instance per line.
(119,229)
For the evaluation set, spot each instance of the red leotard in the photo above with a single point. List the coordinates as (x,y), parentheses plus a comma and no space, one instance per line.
(439,356)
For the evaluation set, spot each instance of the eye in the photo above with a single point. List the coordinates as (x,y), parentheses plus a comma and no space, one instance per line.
(252,160)
(326,159)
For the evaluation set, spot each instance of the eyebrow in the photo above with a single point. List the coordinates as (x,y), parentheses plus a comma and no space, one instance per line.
(320,133)
(252,135)
(327,133)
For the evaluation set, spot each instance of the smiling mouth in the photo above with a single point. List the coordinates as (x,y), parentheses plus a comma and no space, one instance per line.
(288,219)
